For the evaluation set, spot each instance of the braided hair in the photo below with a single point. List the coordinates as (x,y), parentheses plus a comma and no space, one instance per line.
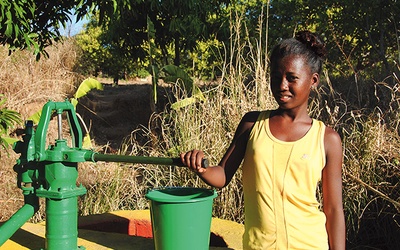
(304,43)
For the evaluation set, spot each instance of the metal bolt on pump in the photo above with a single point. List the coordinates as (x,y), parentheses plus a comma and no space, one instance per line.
(52,174)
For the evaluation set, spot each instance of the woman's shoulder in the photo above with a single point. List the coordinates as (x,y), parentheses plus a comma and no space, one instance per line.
(251,116)
(329,131)
(332,139)
(248,120)
(331,136)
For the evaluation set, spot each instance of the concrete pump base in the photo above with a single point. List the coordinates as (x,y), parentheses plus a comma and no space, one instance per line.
(121,230)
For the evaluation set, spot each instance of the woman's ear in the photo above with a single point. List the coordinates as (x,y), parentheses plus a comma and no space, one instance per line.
(314,80)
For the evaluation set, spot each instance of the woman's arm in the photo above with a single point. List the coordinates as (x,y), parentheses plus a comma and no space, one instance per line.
(332,190)
(220,175)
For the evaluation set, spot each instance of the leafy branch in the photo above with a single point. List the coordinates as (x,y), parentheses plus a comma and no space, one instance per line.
(8,118)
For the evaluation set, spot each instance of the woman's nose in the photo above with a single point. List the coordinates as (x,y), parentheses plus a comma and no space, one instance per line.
(284,85)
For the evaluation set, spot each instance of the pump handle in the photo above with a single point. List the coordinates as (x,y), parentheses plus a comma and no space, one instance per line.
(142,159)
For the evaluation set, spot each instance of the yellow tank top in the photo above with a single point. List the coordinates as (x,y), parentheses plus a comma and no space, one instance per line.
(279,183)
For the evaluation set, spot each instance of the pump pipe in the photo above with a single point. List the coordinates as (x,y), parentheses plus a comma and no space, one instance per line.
(18,219)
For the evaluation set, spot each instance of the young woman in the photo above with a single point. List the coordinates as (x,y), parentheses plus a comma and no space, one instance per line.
(285,154)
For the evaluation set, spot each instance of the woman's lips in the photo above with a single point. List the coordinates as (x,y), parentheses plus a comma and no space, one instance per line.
(284,98)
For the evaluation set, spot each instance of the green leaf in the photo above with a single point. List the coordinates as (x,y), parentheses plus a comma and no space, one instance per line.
(114,6)
(9,140)
(183,103)
(33,35)
(174,74)
(4,143)
(74,102)
(198,94)
(9,29)
(8,118)
(178,76)
(86,86)
(87,142)
(154,73)
(2,101)
(27,40)
(35,117)
(175,71)
(19,11)
(151,32)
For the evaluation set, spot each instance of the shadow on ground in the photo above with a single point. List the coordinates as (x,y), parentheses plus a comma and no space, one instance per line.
(113,113)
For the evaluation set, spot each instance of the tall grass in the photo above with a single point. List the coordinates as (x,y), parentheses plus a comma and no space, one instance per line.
(371,169)
(23,80)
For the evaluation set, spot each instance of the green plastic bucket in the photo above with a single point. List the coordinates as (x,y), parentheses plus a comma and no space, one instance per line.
(181,217)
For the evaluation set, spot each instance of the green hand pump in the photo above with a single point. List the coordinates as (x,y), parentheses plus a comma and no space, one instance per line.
(52,173)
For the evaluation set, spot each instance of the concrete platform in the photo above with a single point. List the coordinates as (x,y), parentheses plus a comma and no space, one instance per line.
(121,230)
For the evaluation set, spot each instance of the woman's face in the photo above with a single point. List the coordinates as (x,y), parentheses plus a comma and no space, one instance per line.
(291,81)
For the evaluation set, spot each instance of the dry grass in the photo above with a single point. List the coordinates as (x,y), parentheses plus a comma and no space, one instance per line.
(28,84)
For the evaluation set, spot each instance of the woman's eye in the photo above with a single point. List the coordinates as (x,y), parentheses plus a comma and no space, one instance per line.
(291,78)
(275,78)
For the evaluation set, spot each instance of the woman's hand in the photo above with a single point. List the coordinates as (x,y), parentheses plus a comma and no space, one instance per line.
(193,160)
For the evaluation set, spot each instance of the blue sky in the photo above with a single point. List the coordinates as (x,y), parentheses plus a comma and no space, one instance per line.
(73,27)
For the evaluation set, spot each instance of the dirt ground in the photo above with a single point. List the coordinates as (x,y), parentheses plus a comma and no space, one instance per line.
(113,113)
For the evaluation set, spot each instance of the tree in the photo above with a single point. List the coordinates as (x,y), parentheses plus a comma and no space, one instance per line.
(178,25)
(32,24)
(93,55)
(8,119)
(359,34)
(363,34)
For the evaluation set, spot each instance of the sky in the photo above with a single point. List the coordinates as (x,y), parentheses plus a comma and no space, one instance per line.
(73,27)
